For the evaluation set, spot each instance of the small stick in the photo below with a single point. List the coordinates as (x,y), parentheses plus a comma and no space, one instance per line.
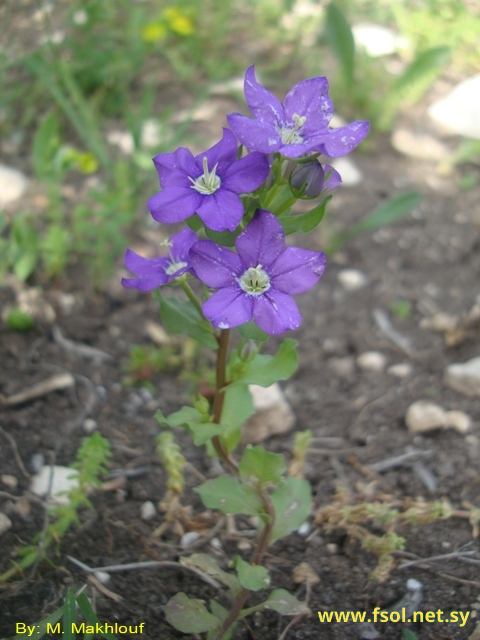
(56,382)
(106,592)
(79,349)
(385,325)
(15,452)
(149,564)
(398,461)
(445,556)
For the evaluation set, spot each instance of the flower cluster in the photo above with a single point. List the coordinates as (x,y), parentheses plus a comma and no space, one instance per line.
(244,202)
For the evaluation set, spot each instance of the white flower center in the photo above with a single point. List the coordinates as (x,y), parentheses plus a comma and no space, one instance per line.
(173,267)
(209,182)
(255,281)
(291,135)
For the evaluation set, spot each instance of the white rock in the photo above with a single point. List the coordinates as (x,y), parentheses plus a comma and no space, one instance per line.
(425,416)
(5,523)
(348,170)
(459,421)
(459,111)
(352,279)
(377,40)
(13,184)
(189,538)
(273,414)
(464,377)
(400,370)
(147,510)
(102,576)
(64,479)
(372,361)
(123,140)
(342,367)
(9,481)
(89,425)
(418,145)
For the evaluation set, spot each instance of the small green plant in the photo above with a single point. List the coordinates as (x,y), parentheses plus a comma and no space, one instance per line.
(91,462)
(401,309)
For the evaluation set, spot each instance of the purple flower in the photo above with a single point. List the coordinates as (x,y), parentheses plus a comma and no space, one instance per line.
(309,181)
(258,281)
(296,127)
(209,184)
(154,272)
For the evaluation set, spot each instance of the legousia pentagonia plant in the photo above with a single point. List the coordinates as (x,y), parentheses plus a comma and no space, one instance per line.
(235,271)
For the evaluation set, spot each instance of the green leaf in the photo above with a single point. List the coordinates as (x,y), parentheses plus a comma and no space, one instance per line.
(267,467)
(285,603)
(46,143)
(69,615)
(339,38)
(304,222)
(265,370)
(181,317)
(426,64)
(250,331)
(192,420)
(189,615)
(292,504)
(221,613)
(89,615)
(210,566)
(237,406)
(224,238)
(228,495)
(394,209)
(18,320)
(251,577)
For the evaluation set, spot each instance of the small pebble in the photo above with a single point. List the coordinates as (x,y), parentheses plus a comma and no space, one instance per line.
(147,510)
(244,545)
(424,416)
(9,481)
(464,377)
(189,538)
(459,421)
(89,425)
(372,361)
(5,523)
(332,548)
(102,576)
(215,543)
(400,370)
(352,279)
(304,529)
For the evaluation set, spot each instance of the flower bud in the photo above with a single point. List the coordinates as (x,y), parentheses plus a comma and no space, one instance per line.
(307,181)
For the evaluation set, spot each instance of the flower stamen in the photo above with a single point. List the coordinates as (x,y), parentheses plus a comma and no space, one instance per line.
(207,183)
(255,281)
(291,135)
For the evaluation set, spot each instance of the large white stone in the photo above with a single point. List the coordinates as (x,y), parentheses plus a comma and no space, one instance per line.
(459,111)
(13,184)
(376,40)
(273,414)
(464,377)
(64,479)
(423,416)
(348,170)
(352,279)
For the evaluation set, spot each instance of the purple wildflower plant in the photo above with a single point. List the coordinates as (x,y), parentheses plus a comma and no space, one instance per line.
(155,272)
(297,127)
(259,280)
(209,184)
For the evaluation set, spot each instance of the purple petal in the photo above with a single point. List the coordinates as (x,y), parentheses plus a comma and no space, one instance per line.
(214,265)
(296,270)
(310,98)
(263,104)
(262,240)
(223,153)
(295,150)
(221,211)
(174,204)
(182,243)
(333,178)
(247,174)
(174,168)
(228,308)
(151,272)
(255,134)
(276,312)
(339,142)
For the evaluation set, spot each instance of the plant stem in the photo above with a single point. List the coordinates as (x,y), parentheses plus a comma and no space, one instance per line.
(256,560)
(220,382)
(191,296)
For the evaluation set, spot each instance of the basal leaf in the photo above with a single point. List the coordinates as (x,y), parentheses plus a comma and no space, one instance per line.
(228,495)
(285,603)
(210,566)
(267,467)
(292,503)
(189,615)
